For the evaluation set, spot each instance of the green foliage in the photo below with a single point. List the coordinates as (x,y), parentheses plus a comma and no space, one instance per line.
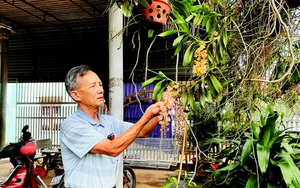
(160,86)
(205,127)
(264,156)
(186,177)
(187,15)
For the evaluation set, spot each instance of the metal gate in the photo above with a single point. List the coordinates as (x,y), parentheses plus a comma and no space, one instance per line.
(43,106)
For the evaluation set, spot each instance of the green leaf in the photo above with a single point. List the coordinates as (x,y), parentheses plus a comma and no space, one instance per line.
(180,7)
(188,19)
(172,179)
(191,99)
(195,8)
(161,75)
(148,82)
(179,47)
(188,56)
(144,3)
(271,122)
(184,97)
(157,89)
(289,170)
(168,185)
(263,120)
(169,32)
(204,20)
(150,33)
(211,88)
(188,3)
(160,93)
(287,147)
(219,97)
(210,57)
(229,167)
(126,9)
(208,24)
(222,50)
(177,40)
(252,182)
(273,140)
(202,99)
(256,129)
(208,96)
(158,77)
(213,26)
(224,37)
(271,185)
(263,157)
(180,21)
(266,136)
(218,86)
(197,20)
(247,149)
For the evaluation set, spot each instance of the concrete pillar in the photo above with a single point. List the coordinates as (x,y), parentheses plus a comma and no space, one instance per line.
(115,24)
(4,35)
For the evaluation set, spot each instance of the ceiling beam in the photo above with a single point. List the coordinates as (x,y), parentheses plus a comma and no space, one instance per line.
(44,12)
(94,7)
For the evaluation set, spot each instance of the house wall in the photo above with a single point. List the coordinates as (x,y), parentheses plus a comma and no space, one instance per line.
(42,106)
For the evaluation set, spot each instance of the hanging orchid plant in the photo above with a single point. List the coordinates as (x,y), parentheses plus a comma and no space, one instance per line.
(225,50)
(201,53)
(239,54)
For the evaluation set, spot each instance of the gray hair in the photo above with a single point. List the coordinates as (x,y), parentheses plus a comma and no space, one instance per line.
(71,78)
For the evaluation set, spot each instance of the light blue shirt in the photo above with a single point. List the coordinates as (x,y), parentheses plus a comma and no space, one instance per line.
(79,133)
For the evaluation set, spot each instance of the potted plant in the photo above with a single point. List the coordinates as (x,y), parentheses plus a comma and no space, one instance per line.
(264,157)
(155,14)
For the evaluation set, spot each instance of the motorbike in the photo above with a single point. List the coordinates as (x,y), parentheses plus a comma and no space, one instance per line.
(24,175)
(129,178)
(21,156)
(57,165)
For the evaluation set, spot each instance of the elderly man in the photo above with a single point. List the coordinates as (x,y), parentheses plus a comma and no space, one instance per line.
(91,143)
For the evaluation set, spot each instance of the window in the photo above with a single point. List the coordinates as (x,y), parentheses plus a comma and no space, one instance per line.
(51,117)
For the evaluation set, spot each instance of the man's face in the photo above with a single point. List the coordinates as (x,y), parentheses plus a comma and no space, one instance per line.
(88,90)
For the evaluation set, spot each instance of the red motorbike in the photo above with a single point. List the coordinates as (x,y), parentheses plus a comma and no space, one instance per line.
(24,175)
(21,155)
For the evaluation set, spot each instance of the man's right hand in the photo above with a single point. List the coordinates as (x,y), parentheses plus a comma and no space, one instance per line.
(153,110)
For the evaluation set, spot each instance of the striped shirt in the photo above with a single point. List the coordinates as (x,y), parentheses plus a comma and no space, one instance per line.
(78,135)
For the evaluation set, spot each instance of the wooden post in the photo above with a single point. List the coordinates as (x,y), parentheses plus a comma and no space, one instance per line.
(182,152)
(4,34)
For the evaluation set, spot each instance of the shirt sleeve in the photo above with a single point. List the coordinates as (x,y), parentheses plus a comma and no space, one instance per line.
(79,136)
(116,125)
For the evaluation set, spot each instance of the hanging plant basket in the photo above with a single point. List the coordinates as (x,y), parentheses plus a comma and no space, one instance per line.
(156,14)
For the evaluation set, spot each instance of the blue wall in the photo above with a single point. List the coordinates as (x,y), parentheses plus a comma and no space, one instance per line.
(133,112)
(10,134)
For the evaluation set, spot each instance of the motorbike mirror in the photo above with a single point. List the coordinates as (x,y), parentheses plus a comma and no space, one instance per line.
(26,136)
(25,128)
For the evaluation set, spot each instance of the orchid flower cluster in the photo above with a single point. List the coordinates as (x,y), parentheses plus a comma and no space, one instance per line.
(180,121)
(171,109)
(200,55)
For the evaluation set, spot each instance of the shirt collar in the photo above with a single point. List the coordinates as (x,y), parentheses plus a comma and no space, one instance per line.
(88,118)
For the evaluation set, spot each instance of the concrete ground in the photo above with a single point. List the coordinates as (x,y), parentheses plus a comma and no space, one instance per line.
(146,178)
